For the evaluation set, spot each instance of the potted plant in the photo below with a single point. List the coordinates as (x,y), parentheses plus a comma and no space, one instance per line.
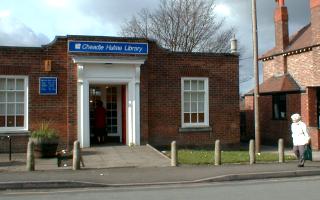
(46,140)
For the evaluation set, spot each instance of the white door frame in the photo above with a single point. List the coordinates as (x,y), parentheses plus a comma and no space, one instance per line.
(124,71)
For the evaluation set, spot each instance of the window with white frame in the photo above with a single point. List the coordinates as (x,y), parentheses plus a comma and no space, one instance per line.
(194,93)
(13,103)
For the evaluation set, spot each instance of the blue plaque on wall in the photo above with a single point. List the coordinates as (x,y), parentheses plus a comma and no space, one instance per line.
(48,85)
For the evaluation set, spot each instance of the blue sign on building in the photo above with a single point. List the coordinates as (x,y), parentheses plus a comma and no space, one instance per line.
(48,85)
(108,47)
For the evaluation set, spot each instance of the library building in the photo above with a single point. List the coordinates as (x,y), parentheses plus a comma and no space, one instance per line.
(112,90)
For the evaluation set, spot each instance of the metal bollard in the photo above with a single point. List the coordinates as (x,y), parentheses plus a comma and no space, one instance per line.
(252,154)
(281,150)
(76,156)
(217,153)
(30,157)
(174,154)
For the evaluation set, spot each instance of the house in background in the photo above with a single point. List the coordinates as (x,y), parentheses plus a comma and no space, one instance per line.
(291,74)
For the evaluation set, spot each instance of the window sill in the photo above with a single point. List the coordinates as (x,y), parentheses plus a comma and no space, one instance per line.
(14,133)
(195,129)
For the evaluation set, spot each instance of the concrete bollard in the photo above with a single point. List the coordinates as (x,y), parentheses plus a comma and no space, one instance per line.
(281,150)
(252,154)
(30,157)
(174,154)
(217,153)
(76,156)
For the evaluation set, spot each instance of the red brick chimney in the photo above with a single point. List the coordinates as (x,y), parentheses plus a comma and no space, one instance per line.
(315,20)
(281,25)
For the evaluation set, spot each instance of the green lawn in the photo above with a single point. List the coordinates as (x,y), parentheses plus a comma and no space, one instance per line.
(200,157)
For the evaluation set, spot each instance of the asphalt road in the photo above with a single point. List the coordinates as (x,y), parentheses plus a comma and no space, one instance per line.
(284,189)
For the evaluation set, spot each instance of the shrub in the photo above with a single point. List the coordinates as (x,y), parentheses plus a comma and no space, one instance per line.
(44,131)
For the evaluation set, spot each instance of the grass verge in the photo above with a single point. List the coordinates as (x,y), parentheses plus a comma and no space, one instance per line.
(201,157)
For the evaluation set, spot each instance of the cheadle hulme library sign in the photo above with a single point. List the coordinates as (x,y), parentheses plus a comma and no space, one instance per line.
(107,47)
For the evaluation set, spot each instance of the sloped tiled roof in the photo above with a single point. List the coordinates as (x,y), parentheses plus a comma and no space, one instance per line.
(298,40)
(278,84)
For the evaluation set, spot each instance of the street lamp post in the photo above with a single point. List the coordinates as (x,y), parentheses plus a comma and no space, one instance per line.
(256,76)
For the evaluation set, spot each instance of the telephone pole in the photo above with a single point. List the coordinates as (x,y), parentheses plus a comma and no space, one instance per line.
(256,76)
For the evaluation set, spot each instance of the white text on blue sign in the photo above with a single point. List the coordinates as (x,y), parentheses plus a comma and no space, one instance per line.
(108,47)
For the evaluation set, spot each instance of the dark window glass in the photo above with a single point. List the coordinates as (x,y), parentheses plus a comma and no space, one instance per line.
(2,121)
(279,106)
(187,117)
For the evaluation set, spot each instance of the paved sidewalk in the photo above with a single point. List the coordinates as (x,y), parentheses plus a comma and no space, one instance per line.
(126,173)
(117,177)
(94,158)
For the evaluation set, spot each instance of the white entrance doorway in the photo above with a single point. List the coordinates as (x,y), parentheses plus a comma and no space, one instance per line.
(96,71)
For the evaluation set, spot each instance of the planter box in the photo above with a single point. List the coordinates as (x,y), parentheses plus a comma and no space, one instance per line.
(45,148)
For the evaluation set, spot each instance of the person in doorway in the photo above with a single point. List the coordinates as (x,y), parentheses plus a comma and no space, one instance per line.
(100,121)
(300,138)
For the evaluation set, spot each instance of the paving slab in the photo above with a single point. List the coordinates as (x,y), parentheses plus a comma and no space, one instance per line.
(94,158)
(123,156)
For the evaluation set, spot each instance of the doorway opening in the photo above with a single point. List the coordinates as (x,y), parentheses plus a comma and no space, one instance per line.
(113,98)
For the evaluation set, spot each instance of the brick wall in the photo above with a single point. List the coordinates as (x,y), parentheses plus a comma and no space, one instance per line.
(18,144)
(165,71)
(11,64)
(310,116)
(249,119)
(275,67)
(269,69)
(299,66)
(315,16)
(30,62)
(160,91)
(270,129)
(312,107)
(281,28)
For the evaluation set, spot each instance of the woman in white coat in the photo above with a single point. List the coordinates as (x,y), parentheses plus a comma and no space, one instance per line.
(300,137)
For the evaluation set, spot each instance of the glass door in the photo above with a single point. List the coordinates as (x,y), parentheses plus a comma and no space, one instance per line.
(114,113)
(111,105)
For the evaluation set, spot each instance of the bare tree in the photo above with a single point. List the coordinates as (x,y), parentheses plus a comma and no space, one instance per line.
(181,25)
(138,25)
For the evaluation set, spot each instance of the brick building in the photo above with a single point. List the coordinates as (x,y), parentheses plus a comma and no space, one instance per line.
(291,74)
(151,95)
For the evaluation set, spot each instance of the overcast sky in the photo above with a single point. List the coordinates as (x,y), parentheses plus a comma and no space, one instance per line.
(37,22)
